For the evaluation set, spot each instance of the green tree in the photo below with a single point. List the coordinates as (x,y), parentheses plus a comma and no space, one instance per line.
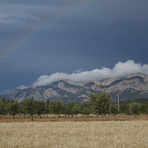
(51,107)
(114,109)
(70,108)
(101,103)
(144,108)
(134,108)
(124,108)
(75,109)
(14,108)
(22,108)
(85,109)
(47,106)
(2,106)
(29,106)
(40,107)
(56,107)
(8,102)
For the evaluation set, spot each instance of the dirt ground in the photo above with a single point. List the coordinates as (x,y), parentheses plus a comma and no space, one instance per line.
(63,118)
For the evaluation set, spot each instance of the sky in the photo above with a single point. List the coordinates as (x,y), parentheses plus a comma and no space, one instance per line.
(42,41)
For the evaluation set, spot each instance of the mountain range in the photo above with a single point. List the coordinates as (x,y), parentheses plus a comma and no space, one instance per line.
(134,86)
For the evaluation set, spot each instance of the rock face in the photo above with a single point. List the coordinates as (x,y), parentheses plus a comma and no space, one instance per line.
(130,87)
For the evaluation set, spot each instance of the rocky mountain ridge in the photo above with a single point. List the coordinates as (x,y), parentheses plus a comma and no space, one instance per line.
(130,87)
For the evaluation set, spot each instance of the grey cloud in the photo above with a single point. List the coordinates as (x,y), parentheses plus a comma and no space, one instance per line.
(17,14)
(22,87)
(40,2)
(33,14)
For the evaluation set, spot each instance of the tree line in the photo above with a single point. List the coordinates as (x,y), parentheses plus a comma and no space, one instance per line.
(100,104)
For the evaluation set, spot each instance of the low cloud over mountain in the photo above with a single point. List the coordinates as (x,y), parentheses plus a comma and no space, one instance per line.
(134,86)
(120,69)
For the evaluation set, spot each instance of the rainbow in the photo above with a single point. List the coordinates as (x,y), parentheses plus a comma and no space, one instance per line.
(16,48)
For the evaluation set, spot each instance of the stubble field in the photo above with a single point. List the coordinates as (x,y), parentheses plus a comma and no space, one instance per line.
(93,134)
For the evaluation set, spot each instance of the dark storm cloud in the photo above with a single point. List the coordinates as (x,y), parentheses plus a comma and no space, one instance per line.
(66,35)
(39,2)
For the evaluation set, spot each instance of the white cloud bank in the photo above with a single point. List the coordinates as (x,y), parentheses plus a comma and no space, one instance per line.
(120,69)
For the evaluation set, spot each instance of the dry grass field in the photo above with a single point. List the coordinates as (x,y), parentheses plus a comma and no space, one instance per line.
(94,134)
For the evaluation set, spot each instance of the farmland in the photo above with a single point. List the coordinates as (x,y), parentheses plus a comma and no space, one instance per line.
(94,134)
(52,124)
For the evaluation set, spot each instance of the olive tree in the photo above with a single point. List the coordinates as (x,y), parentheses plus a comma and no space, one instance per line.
(14,108)
(134,108)
(101,103)
(29,106)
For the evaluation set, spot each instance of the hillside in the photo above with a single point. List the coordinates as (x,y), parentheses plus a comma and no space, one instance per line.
(130,87)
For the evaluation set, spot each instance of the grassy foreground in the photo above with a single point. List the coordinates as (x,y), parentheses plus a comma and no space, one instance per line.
(95,134)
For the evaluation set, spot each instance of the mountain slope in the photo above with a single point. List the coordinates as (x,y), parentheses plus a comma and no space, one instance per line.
(130,87)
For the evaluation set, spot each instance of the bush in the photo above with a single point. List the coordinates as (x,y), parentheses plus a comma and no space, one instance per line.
(114,109)
(134,108)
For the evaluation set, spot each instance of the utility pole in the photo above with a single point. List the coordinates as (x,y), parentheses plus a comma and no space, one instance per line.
(118,101)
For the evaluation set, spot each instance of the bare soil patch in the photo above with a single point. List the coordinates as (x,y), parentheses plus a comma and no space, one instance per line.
(62,118)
